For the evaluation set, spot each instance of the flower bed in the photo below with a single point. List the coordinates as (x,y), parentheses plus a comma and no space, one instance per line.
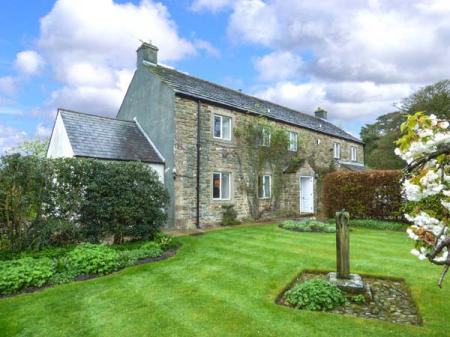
(308,226)
(35,270)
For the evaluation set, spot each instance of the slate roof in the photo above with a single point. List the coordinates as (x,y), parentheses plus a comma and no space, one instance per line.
(107,138)
(196,87)
(355,168)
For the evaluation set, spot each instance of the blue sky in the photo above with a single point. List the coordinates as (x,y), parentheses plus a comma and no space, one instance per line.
(354,58)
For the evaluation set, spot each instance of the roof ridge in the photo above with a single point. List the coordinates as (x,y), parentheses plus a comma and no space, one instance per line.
(98,116)
(320,120)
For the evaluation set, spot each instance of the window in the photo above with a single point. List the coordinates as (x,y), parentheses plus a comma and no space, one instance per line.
(293,141)
(222,127)
(353,156)
(266,137)
(264,186)
(221,185)
(337,150)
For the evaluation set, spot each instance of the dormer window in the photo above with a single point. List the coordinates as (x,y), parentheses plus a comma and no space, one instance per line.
(336,150)
(222,127)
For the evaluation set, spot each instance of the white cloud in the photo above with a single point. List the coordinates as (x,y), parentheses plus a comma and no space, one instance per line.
(280,65)
(211,5)
(42,131)
(10,138)
(356,58)
(28,62)
(90,47)
(346,101)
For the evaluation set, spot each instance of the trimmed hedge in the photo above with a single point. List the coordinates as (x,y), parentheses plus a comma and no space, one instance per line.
(370,195)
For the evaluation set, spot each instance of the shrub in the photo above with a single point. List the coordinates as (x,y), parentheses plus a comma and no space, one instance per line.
(55,202)
(371,194)
(315,294)
(308,226)
(164,240)
(26,272)
(358,299)
(92,259)
(229,216)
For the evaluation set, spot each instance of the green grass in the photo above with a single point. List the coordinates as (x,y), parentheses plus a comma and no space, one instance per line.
(224,284)
(376,224)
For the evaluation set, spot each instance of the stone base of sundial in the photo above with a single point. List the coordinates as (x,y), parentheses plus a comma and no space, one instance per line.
(353,285)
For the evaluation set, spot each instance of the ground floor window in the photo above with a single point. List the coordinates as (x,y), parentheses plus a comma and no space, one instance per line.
(221,185)
(264,186)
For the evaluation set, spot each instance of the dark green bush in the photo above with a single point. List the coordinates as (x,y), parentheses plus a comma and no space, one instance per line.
(378,224)
(229,216)
(26,272)
(358,299)
(315,294)
(55,202)
(308,226)
(88,258)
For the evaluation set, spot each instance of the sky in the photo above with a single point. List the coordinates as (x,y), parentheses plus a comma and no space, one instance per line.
(356,59)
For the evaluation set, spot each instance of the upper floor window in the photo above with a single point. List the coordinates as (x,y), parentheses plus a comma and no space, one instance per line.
(222,127)
(266,137)
(264,186)
(293,138)
(353,153)
(221,185)
(336,150)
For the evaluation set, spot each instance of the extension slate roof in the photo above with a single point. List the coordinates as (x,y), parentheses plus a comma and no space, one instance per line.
(353,167)
(196,87)
(107,138)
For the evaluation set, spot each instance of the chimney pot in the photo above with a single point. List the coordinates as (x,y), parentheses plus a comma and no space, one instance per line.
(147,52)
(320,113)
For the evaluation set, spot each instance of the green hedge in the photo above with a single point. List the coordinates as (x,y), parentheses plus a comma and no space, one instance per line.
(55,202)
(371,194)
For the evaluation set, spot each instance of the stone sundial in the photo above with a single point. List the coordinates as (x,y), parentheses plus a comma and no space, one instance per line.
(346,281)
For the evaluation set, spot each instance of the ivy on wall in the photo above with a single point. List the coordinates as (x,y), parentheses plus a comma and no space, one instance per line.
(263,149)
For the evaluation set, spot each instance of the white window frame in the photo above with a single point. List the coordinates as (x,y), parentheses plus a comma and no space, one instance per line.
(353,153)
(266,137)
(221,117)
(220,179)
(337,150)
(293,146)
(264,196)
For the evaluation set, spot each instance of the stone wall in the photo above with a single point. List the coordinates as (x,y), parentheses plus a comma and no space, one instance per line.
(220,155)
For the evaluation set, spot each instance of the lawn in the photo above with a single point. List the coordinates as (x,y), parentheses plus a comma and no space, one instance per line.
(224,284)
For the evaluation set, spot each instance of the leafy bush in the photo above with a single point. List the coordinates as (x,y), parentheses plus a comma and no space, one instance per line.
(229,216)
(369,195)
(25,272)
(308,226)
(88,258)
(358,299)
(55,202)
(164,240)
(315,294)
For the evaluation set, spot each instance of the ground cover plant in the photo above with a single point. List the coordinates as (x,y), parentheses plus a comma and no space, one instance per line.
(375,224)
(308,226)
(31,270)
(224,283)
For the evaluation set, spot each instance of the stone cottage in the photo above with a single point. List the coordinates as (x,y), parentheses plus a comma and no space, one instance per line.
(187,124)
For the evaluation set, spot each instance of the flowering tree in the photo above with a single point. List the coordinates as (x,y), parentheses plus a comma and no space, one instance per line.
(425,146)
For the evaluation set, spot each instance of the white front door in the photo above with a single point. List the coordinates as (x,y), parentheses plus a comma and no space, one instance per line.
(306,195)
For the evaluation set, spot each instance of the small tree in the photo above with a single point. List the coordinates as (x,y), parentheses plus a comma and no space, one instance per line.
(425,146)
(34,147)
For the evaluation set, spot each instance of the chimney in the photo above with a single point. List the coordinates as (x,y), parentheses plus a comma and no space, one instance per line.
(147,52)
(320,113)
